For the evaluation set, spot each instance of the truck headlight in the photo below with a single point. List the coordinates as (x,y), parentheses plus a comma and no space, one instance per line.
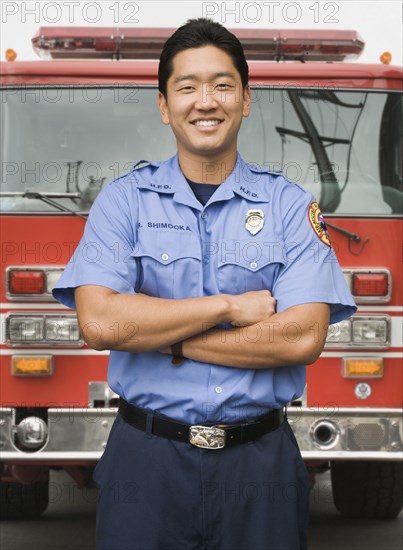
(45,330)
(25,329)
(62,329)
(370,331)
(339,332)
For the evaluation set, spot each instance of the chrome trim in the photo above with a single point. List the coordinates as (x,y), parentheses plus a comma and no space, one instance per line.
(345,421)
(375,270)
(73,434)
(43,213)
(32,432)
(101,395)
(334,434)
(50,195)
(81,434)
(45,297)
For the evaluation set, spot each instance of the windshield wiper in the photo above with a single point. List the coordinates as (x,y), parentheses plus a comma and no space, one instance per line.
(351,237)
(47,198)
(330,196)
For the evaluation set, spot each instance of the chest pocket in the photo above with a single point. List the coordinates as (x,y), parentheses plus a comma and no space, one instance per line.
(247,265)
(168,264)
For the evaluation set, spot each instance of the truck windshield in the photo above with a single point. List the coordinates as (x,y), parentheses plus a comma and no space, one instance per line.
(343,146)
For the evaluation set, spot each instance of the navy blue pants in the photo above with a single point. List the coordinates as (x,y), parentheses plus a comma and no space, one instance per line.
(159,494)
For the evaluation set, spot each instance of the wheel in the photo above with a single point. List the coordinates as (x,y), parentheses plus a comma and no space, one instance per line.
(367,490)
(21,501)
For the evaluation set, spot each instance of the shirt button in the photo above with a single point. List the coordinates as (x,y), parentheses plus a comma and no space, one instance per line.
(204,215)
(253,265)
(218,389)
(165,257)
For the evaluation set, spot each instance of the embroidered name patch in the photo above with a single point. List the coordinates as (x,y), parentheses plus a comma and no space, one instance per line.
(318,223)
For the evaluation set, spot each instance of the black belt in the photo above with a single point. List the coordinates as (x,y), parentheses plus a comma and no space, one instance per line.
(207,437)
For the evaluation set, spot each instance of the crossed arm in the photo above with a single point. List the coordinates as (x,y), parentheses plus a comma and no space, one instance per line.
(260,337)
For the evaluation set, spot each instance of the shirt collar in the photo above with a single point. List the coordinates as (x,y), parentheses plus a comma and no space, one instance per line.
(245,180)
(248,181)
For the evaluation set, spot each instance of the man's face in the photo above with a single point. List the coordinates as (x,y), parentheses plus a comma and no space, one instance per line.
(205,103)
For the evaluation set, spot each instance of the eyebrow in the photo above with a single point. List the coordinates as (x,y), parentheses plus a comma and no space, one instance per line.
(195,77)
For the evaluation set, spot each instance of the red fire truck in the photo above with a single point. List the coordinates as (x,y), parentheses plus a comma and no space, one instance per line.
(74,122)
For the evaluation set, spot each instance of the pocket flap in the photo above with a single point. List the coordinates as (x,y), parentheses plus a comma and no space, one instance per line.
(251,254)
(167,247)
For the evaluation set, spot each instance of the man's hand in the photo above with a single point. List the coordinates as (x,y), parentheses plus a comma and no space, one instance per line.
(252,307)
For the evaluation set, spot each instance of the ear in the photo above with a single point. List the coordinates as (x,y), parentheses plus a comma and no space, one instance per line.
(246,101)
(163,108)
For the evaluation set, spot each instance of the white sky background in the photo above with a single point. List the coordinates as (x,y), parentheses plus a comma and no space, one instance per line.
(378,22)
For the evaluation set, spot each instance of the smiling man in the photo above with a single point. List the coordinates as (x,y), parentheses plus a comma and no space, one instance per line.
(220,303)
(207,101)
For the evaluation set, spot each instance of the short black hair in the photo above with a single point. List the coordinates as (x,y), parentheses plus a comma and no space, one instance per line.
(195,34)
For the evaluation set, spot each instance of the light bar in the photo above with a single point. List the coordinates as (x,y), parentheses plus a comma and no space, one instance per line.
(147,43)
(300,44)
(100,42)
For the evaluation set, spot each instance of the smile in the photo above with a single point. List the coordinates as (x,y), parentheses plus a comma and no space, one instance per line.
(207,122)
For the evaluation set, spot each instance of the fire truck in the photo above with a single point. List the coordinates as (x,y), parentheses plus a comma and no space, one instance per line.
(77,120)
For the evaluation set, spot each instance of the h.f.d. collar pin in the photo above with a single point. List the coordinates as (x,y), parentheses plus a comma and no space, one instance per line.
(254,221)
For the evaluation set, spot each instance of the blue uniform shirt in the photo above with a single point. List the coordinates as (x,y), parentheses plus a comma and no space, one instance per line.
(148,233)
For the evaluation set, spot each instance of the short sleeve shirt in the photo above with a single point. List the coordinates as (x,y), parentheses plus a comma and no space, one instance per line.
(147,233)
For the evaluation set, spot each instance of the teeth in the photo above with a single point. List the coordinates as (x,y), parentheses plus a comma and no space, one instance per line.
(207,122)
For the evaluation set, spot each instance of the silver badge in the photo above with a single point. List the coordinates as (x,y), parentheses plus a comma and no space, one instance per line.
(254,221)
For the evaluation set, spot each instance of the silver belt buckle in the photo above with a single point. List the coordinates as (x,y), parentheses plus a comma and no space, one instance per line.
(207,437)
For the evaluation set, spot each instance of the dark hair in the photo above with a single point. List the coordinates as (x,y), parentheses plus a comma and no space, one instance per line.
(195,34)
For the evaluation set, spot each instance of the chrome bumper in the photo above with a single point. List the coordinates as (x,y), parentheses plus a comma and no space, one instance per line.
(80,434)
(348,434)
(73,435)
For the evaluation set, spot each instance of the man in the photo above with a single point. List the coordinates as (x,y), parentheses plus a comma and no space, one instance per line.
(209,289)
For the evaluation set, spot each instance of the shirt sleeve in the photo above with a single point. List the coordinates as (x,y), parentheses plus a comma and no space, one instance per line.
(311,272)
(104,255)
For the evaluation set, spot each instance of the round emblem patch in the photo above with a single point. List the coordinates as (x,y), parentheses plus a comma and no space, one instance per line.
(318,223)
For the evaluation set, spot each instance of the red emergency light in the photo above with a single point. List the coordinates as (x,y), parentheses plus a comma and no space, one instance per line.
(27,282)
(147,43)
(370,284)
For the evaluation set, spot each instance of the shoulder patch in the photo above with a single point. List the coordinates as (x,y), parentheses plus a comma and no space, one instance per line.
(318,223)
